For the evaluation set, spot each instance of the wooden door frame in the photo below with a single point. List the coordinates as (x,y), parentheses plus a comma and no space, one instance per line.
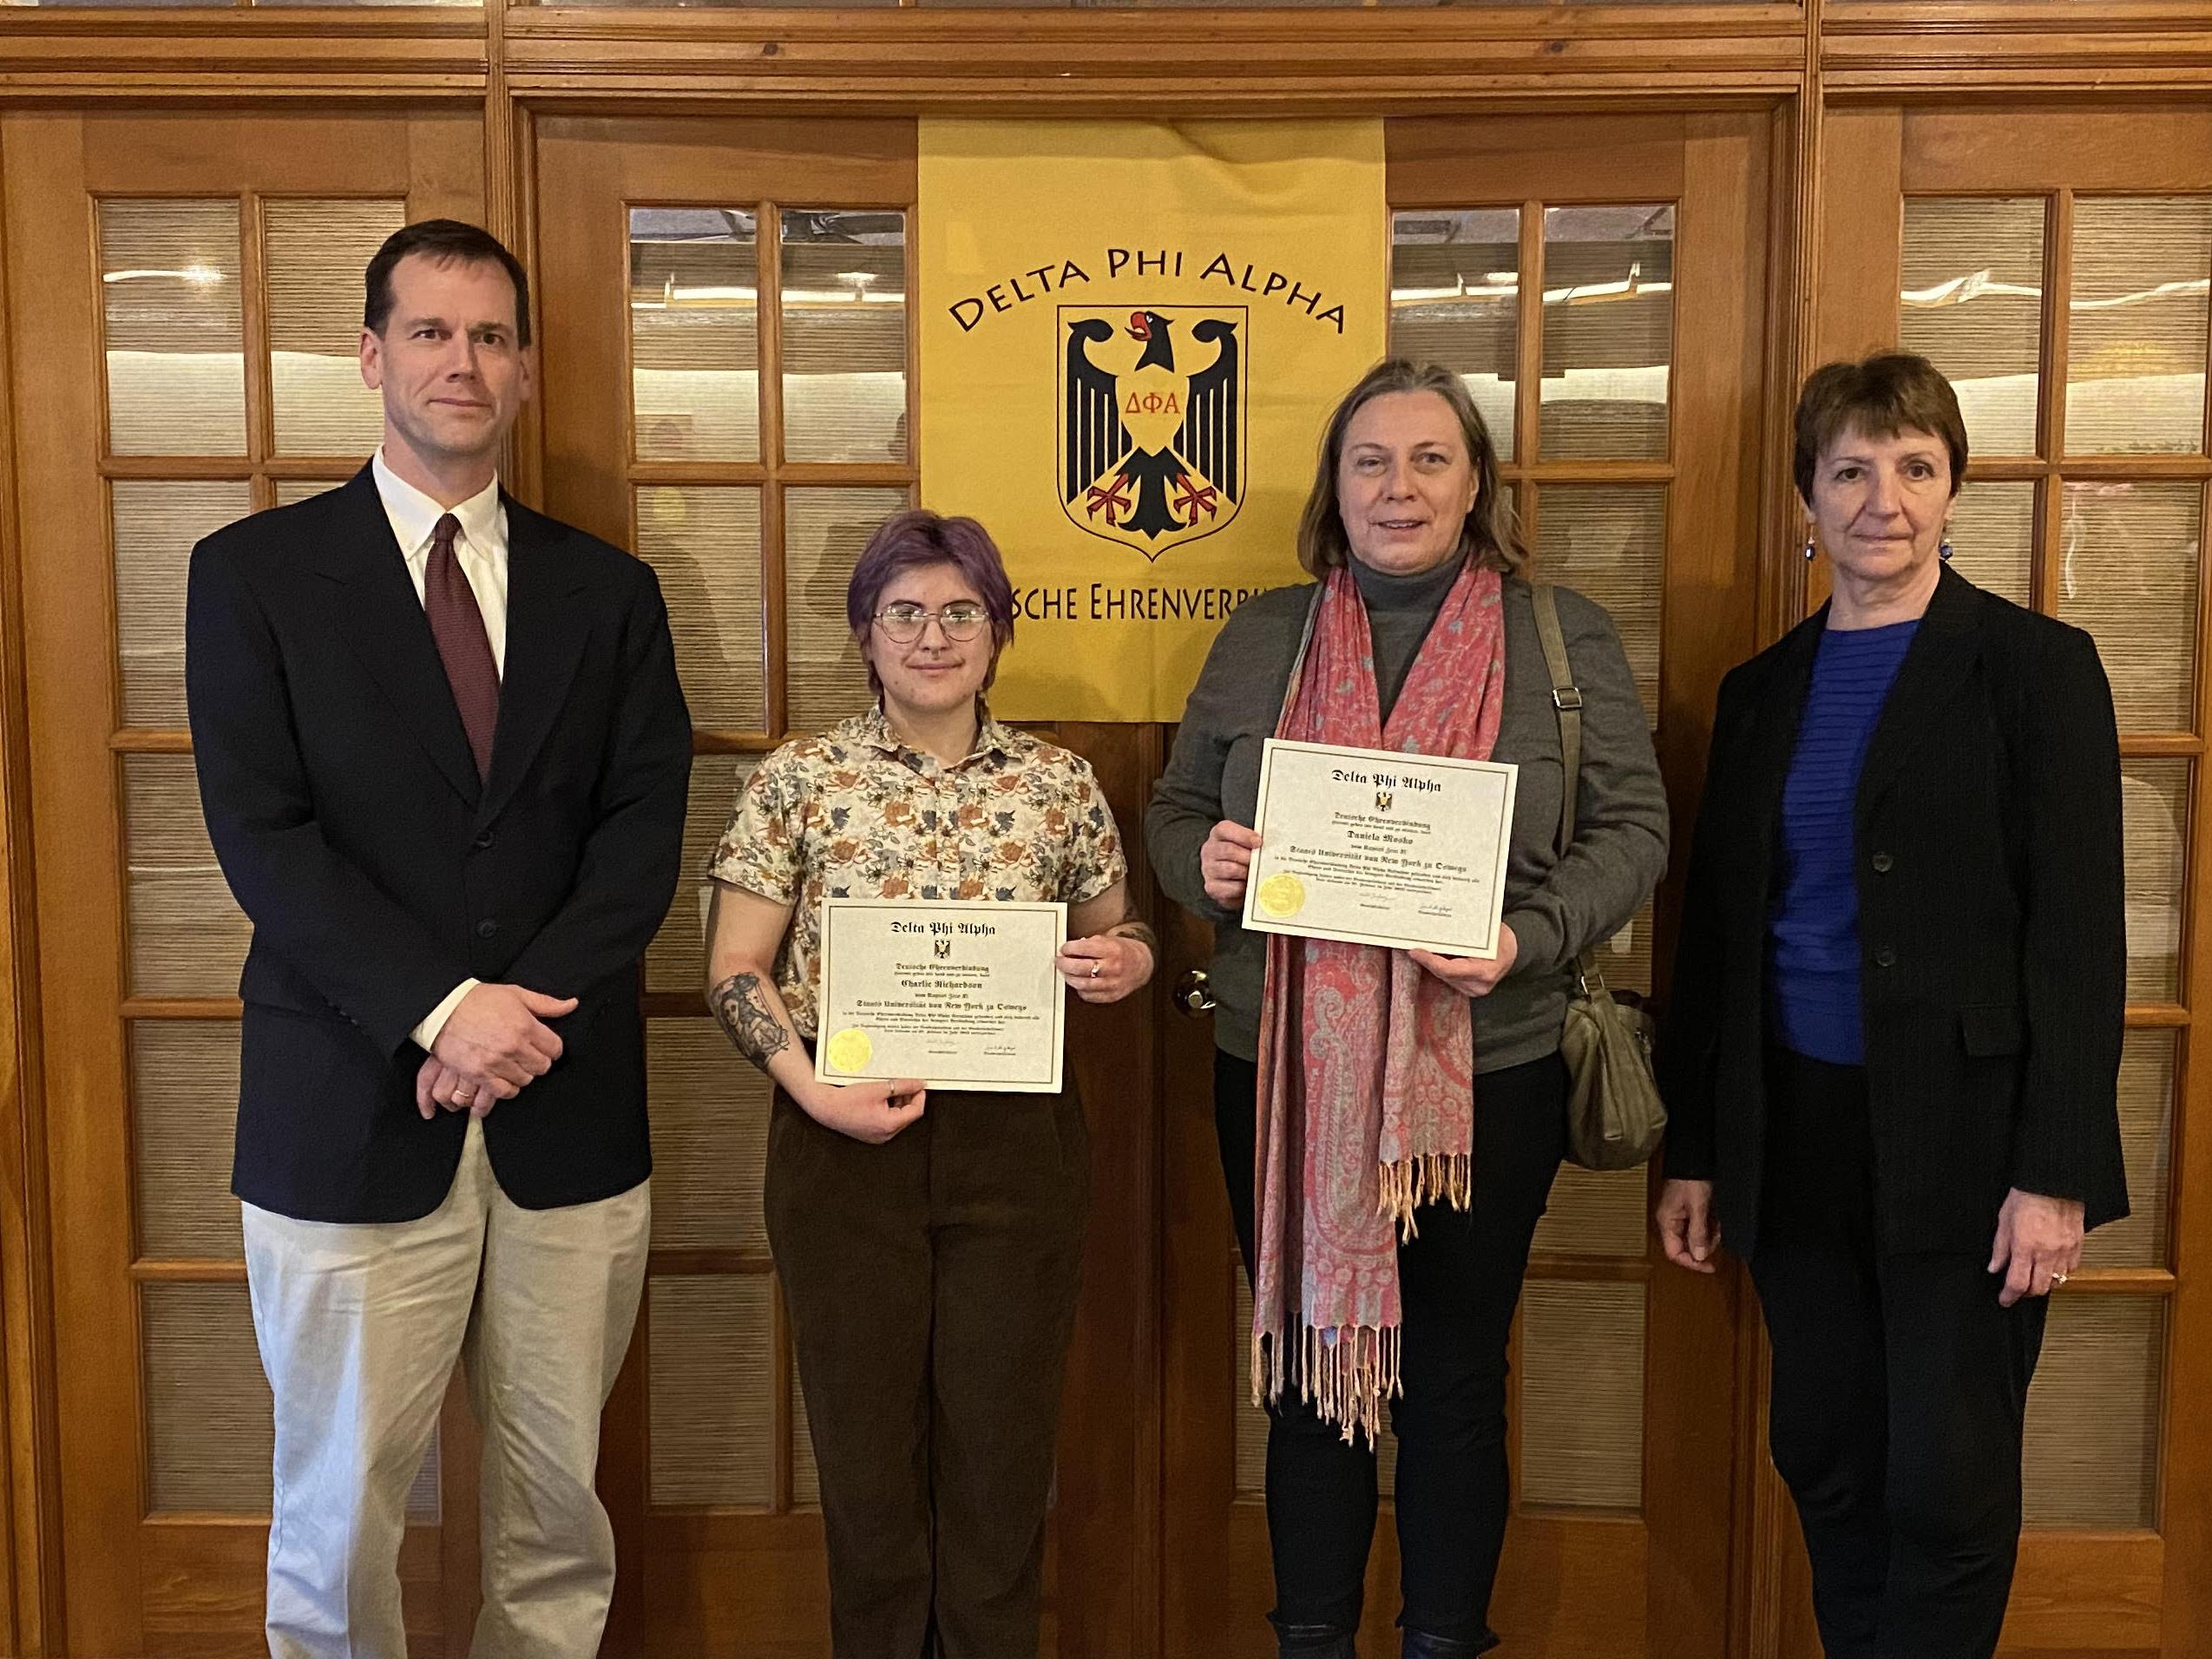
(29,1492)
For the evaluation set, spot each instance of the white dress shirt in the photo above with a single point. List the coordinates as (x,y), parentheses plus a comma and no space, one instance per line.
(481,549)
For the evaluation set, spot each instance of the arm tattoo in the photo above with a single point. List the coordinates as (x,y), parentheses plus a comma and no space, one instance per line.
(757,1033)
(1134,928)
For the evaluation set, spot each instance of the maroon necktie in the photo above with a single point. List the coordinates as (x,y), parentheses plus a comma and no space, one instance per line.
(458,627)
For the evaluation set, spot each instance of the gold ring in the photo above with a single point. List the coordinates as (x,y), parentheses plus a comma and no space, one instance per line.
(1096,968)
(2057,1278)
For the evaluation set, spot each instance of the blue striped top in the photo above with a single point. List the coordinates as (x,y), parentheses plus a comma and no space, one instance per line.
(1814,961)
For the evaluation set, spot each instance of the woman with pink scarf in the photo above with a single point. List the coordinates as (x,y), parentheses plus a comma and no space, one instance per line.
(1391,1121)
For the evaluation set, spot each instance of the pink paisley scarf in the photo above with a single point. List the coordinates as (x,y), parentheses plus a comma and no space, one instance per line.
(1365,1062)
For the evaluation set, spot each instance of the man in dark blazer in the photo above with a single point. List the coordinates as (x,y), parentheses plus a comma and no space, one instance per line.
(443,759)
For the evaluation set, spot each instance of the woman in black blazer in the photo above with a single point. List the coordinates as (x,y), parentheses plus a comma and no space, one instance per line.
(1893,1056)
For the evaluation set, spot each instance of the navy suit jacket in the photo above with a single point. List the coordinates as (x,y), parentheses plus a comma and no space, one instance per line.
(378,870)
(1993,939)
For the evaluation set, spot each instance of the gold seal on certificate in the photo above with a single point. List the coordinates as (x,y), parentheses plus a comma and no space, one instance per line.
(963,996)
(1378,848)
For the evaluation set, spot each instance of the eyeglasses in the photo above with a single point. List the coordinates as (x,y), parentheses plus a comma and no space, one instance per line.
(903,624)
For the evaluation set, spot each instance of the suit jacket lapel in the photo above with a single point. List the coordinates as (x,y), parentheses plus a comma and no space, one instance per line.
(546,629)
(1774,739)
(1945,648)
(380,617)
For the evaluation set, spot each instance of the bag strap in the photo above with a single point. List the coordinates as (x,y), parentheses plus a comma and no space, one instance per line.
(1567,700)
(1305,644)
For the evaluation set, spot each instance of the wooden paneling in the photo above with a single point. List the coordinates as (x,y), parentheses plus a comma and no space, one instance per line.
(67,660)
(201,1588)
(29,1518)
(1860,233)
(1455,162)
(1891,50)
(2186,1512)
(2140,149)
(2080,1592)
(1210,61)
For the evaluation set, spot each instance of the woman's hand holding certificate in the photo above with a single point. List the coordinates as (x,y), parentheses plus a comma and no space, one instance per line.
(1473,976)
(1225,863)
(1379,848)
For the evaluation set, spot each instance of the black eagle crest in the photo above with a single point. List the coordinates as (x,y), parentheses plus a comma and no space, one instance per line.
(1187,475)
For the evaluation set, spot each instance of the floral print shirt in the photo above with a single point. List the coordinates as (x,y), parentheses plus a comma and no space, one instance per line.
(855,813)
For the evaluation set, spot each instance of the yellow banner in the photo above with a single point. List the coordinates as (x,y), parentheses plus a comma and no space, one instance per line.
(1130,335)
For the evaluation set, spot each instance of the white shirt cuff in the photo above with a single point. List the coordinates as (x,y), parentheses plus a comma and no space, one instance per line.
(433,1022)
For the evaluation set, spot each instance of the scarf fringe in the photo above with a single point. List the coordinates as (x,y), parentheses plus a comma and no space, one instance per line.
(1346,1374)
(1432,1177)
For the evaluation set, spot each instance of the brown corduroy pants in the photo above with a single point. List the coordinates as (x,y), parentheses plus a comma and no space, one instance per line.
(932,1283)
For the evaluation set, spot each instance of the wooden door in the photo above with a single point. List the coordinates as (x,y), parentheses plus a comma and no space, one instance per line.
(2057,266)
(1601,284)
(185,297)
(729,389)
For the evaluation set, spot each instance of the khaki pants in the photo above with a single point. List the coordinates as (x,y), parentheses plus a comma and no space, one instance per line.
(932,1284)
(359,1327)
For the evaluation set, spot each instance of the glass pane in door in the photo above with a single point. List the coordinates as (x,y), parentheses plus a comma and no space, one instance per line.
(843,315)
(1972,304)
(694,334)
(1456,299)
(315,251)
(169,276)
(2135,365)
(1608,331)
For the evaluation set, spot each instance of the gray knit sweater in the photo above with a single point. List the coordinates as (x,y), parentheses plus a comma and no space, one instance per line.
(1556,907)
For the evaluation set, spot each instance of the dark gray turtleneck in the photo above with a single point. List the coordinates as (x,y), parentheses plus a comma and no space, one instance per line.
(1400,610)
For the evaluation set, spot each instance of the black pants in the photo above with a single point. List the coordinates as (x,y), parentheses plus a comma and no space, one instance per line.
(1899,1389)
(932,1283)
(1459,1280)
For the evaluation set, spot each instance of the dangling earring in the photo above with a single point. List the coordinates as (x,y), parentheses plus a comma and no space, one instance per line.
(1943,552)
(1809,546)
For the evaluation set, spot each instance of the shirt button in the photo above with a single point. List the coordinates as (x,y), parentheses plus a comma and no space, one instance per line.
(486,928)
(482,844)
(1882,863)
(1885,957)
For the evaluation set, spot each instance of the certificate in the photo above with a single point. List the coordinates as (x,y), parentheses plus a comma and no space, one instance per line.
(963,996)
(1378,848)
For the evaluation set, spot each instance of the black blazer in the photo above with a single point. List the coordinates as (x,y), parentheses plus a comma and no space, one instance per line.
(1992,934)
(378,871)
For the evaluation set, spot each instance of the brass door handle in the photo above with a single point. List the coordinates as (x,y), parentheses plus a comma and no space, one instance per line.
(1194,994)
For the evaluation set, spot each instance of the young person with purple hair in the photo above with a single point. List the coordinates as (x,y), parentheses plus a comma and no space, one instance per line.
(928,1242)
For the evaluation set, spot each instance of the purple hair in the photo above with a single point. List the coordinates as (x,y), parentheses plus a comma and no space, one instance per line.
(916,538)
